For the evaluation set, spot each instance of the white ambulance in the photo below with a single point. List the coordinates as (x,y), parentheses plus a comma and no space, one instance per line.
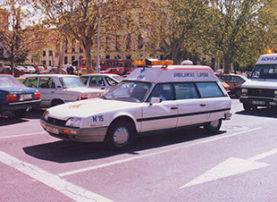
(261,88)
(149,99)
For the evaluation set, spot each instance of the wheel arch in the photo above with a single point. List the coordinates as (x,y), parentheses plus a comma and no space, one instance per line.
(125,117)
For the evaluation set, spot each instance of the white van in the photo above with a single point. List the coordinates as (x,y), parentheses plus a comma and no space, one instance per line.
(261,88)
(149,99)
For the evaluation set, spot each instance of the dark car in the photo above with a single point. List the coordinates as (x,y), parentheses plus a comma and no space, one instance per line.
(15,98)
(234,81)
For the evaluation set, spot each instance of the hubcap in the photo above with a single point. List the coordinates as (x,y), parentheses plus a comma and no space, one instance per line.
(214,124)
(121,136)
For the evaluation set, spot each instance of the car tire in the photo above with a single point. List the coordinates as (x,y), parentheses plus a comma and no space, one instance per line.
(213,126)
(20,113)
(56,102)
(120,135)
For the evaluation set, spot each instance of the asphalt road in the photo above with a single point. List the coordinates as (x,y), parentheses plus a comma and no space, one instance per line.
(238,164)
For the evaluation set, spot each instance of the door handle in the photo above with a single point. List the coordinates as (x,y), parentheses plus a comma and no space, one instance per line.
(174,108)
(203,105)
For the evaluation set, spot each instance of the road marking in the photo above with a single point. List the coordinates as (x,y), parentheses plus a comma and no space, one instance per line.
(23,135)
(187,145)
(230,167)
(70,190)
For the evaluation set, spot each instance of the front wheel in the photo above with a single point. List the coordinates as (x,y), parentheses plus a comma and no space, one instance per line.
(120,135)
(213,126)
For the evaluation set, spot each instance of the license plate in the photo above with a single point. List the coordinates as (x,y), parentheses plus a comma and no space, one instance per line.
(258,102)
(26,97)
(52,130)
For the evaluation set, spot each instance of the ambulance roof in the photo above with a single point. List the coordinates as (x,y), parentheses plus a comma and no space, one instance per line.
(173,73)
(267,59)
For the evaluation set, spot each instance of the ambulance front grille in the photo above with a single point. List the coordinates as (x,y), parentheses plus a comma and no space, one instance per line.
(56,122)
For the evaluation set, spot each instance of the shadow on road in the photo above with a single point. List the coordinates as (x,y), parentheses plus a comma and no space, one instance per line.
(261,112)
(65,151)
(33,114)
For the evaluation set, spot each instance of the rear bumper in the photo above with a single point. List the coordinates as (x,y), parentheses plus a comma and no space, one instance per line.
(259,101)
(21,105)
(79,135)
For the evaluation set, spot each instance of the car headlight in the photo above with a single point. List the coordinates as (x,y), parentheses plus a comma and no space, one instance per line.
(275,93)
(244,91)
(45,115)
(74,122)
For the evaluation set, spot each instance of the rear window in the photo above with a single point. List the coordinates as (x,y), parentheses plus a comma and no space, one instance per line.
(209,89)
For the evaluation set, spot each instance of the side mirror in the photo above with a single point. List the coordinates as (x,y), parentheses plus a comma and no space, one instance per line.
(155,100)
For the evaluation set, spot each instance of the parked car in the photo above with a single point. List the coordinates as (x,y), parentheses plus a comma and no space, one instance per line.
(5,70)
(234,81)
(101,81)
(15,98)
(30,69)
(149,99)
(57,89)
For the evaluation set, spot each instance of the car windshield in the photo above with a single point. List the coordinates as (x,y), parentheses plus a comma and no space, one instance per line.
(265,71)
(117,77)
(7,81)
(72,82)
(129,91)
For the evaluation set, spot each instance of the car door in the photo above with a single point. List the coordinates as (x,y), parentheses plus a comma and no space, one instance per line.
(191,108)
(213,100)
(161,115)
(47,88)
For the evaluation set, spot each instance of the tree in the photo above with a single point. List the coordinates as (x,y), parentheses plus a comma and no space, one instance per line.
(19,41)
(78,19)
(239,26)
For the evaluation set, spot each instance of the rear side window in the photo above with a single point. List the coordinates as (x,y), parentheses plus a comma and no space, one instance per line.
(209,89)
(85,79)
(96,81)
(31,82)
(46,82)
(111,82)
(185,91)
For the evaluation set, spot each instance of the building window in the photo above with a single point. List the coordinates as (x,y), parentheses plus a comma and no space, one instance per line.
(72,59)
(65,60)
(50,63)
(44,53)
(81,50)
(1,52)
(128,42)
(117,46)
(140,41)
(50,53)
(73,50)
(44,63)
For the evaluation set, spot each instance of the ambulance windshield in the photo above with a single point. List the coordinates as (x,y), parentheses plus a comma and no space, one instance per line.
(129,91)
(265,71)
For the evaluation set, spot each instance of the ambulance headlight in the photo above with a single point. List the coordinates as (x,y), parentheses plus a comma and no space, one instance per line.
(46,115)
(74,122)
(244,91)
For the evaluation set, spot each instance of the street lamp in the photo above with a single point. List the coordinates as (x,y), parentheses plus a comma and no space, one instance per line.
(98,67)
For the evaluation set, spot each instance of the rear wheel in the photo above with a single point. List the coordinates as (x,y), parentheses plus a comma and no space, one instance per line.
(213,126)
(121,135)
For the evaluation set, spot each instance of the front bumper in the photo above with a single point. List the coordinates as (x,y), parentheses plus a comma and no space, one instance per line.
(21,105)
(79,135)
(259,101)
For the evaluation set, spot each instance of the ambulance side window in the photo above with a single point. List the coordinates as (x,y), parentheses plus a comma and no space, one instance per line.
(185,91)
(209,89)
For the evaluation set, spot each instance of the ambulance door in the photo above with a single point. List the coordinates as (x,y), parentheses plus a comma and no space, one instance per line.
(191,108)
(161,115)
